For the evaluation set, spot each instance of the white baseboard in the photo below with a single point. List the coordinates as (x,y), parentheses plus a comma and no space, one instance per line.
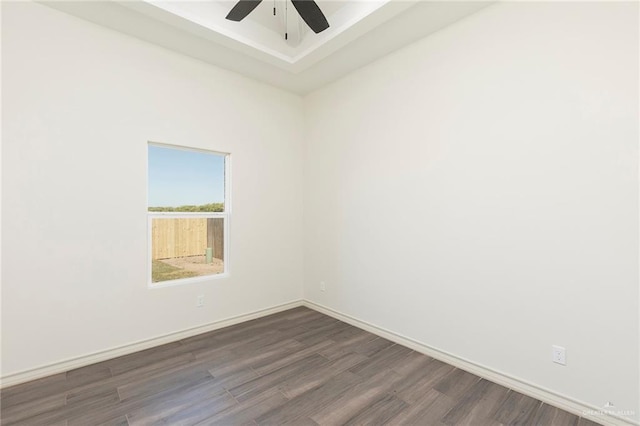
(553,398)
(82,361)
(597,414)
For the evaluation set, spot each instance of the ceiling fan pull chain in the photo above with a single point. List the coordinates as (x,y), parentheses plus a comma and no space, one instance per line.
(307,9)
(274,7)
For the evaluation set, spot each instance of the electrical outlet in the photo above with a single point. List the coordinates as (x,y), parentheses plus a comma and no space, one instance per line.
(559,355)
(200,301)
(323,286)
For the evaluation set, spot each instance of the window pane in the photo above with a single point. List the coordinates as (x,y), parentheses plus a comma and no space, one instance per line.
(182,180)
(186,247)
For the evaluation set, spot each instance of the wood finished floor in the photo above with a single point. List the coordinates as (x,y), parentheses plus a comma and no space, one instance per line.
(296,367)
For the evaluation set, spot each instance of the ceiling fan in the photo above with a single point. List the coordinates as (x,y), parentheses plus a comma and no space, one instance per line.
(308,10)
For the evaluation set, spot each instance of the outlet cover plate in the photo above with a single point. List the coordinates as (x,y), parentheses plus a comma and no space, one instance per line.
(559,355)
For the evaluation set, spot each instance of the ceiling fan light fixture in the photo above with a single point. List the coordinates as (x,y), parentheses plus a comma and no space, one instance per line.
(307,9)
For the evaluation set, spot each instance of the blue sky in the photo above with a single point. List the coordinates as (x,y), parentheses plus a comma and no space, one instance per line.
(180,177)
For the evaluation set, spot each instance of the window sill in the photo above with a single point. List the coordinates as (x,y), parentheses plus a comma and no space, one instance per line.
(187,281)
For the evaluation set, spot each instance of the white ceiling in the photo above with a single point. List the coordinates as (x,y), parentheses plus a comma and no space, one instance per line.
(360,32)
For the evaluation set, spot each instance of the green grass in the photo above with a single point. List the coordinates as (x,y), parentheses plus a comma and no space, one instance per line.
(160,271)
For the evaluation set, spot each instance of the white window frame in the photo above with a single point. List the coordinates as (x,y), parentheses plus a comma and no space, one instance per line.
(191,215)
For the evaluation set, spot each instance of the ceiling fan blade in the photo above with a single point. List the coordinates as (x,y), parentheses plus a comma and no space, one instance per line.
(242,9)
(311,14)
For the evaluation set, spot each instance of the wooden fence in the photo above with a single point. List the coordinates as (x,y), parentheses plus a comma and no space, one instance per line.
(181,237)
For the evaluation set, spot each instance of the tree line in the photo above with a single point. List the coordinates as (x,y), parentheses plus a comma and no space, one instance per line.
(211,207)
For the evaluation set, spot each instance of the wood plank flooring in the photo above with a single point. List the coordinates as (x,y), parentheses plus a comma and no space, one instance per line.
(296,367)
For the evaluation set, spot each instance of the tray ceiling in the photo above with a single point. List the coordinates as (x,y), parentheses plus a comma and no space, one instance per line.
(360,32)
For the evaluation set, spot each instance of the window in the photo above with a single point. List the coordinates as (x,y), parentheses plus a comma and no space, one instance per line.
(188,211)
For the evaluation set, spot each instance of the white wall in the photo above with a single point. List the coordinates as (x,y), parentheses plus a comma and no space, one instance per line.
(478,191)
(79,104)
